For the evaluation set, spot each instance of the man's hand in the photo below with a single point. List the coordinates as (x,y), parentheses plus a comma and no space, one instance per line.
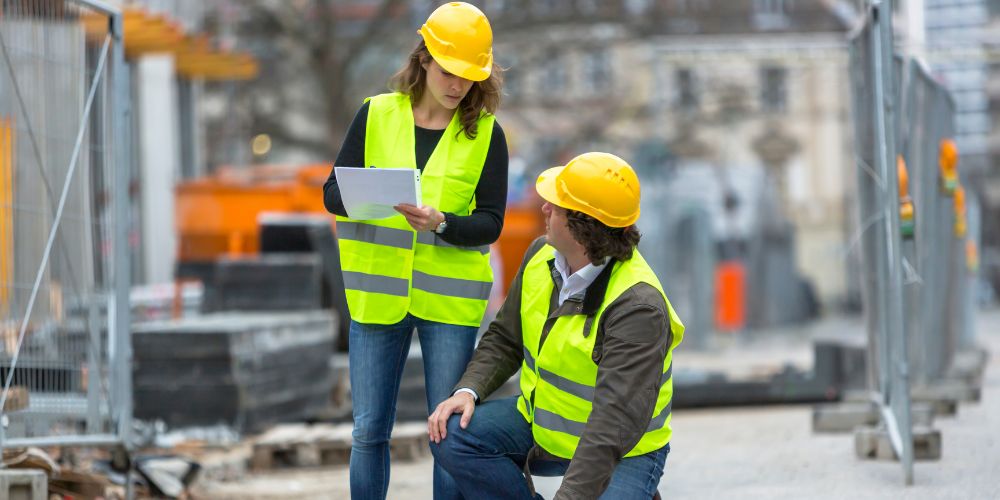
(437,423)
(423,218)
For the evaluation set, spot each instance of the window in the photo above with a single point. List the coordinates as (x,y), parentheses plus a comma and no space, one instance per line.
(513,77)
(638,7)
(770,15)
(596,71)
(687,92)
(773,88)
(587,7)
(554,78)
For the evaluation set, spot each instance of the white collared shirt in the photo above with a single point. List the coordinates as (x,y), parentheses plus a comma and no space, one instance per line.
(576,283)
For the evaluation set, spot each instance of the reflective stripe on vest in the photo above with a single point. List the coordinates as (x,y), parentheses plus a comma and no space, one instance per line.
(387,236)
(581,391)
(389,269)
(452,287)
(374,283)
(562,377)
(552,421)
(429,238)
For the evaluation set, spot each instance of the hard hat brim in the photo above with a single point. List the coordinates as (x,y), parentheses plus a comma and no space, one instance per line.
(545,185)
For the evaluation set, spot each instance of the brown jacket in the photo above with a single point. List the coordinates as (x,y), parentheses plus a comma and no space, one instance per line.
(629,354)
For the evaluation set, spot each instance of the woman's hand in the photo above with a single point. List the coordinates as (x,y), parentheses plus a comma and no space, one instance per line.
(422,218)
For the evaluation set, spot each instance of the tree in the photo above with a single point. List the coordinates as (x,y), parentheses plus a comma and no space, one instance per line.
(312,54)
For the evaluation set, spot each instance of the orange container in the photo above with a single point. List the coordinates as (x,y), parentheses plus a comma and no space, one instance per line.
(217,216)
(730,279)
(522,224)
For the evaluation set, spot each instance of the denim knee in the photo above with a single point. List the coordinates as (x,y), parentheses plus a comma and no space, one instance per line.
(368,434)
(453,444)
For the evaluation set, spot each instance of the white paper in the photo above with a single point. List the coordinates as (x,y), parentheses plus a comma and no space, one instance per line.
(370,193)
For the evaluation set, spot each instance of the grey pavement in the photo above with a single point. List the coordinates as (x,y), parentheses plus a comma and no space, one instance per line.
(751,452)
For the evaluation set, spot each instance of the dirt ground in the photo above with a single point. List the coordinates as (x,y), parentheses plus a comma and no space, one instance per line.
(753,452)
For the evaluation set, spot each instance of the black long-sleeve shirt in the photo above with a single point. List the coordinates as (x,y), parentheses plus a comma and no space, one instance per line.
(482,226)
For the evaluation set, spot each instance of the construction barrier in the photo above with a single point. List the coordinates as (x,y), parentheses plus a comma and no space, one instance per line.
(873,93)
(64,176)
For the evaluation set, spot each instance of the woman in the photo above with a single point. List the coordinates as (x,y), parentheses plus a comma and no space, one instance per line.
(428,268)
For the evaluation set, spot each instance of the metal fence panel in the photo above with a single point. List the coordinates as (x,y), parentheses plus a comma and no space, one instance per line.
(873,96)
(63,355)
(930,119)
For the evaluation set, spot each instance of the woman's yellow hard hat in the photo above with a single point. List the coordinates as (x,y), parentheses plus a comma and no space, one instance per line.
(459,37)
(600,185)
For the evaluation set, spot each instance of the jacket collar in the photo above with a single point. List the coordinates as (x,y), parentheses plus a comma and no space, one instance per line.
(594,295)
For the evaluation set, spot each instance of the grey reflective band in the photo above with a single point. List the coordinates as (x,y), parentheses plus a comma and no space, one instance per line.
(658,421)
(452,287)
(667,374)
(528,360)
(564,384)
(374,283)
(553,422)
(577,389)
(433,239)
(390,237)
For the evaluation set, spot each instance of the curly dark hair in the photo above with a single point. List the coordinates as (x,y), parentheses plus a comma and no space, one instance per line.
(602,241)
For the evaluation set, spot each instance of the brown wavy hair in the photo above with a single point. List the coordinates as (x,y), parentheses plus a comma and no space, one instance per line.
(602,241)
(411,80)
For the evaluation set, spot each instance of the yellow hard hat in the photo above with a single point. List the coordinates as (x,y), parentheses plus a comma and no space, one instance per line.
(600,185)
(459,37)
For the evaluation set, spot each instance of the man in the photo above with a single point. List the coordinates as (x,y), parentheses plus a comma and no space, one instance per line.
(593,334)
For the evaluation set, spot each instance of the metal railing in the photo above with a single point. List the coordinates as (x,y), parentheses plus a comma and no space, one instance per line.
(64,175)
(873,93)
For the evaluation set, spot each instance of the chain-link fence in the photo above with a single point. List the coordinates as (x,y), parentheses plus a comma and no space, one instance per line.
(63,213)
(873,94)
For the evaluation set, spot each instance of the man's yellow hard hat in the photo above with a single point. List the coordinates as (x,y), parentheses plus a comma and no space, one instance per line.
(459,37)
(600,185)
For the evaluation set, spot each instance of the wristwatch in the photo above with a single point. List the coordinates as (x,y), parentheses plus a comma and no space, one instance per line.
(442,226)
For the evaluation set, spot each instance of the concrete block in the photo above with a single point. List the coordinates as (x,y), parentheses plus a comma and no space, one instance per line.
(969,364)
(926,443)
(856,396)
(843,417)
(938,397)
(23,484)
(963,390)
(872,442)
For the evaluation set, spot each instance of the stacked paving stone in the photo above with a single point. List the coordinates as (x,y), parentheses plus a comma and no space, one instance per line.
(243,369)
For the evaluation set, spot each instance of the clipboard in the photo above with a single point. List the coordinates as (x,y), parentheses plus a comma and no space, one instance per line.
(370,193)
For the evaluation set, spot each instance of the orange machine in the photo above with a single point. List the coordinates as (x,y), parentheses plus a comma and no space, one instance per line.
(217,215)
(522,224)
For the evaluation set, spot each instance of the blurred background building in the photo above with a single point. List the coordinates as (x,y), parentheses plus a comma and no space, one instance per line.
(735,109)
(743,103)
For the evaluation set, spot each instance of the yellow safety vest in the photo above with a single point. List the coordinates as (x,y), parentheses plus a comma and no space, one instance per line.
(390,269)
(557,384)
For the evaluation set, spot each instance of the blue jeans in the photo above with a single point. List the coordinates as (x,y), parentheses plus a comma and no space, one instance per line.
(377,356)
(487,458)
